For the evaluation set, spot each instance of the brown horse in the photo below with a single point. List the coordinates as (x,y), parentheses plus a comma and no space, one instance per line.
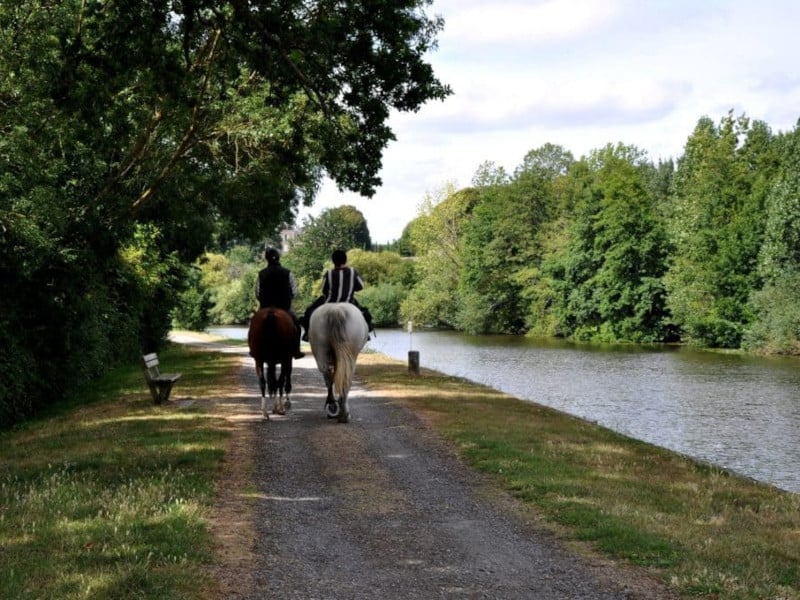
(271,338)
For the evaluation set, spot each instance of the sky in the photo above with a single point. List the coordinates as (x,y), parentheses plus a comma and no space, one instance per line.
(580,74)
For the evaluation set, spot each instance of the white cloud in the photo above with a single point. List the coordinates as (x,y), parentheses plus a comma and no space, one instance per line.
(527,22)
(581,73)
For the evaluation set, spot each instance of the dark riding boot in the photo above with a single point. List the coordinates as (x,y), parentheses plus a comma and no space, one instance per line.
(297,352)
(304,323)
(368,319)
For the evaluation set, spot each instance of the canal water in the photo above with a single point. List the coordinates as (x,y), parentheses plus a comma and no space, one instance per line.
(738,412)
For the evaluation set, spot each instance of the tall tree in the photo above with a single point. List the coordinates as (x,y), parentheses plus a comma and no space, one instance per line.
(188,116)
(610,285)
(717,227)
(501,245)
(776,306)
(436,235)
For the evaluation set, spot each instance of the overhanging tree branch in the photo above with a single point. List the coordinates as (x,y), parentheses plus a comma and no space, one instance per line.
(189,139)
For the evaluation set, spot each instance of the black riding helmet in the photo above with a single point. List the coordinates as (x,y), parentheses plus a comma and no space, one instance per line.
(272,255)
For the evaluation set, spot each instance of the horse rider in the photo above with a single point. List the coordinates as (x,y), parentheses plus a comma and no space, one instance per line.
(338,285)
(276,286)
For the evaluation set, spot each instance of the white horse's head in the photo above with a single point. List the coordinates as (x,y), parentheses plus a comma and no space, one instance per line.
(337,333)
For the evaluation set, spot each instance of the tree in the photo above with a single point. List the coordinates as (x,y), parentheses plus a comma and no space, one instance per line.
(436,234)
(717,228)
(776,307)
(610,286)
(196,118)
(501,244)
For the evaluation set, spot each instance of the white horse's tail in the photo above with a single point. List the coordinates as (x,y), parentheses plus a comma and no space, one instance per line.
(343,355)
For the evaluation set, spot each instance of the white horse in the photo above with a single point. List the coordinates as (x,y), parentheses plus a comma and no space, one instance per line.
(337,333)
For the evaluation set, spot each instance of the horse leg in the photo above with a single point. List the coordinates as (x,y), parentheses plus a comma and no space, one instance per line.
(279,404)
(287,383)
(262,382)
(272,385)
(331,406)
(344,410)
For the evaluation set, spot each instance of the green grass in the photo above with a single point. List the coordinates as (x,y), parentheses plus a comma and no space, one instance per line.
(703,531)
(106,497)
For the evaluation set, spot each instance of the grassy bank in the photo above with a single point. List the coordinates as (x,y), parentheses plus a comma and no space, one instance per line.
(707,533)
(111,499)
(107,497)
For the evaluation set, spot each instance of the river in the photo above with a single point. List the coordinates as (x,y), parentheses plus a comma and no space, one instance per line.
(735,411)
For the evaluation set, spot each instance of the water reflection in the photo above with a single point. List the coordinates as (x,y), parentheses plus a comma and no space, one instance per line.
(739,412)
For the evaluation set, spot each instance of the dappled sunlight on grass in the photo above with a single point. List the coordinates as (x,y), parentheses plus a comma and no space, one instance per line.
(108,499)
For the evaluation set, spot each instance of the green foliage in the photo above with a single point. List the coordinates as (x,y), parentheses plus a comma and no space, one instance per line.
(717,227)
(194,303)
(776,307)
(194,118)
(388,277)
(436,235)
(615,248)
(502,240)
(343,227)
(776,329)
(383,302)
(229,281)
(383,267)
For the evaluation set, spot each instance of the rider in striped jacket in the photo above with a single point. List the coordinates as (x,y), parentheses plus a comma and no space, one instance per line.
(338,285)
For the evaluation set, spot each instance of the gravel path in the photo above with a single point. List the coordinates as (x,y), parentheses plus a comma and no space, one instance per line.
(381,508)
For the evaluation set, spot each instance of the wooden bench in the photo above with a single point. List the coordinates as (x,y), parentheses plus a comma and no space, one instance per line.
(160,384)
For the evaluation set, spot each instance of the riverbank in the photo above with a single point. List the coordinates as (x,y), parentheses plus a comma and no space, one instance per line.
(66,480)
(727,409)
(705,531)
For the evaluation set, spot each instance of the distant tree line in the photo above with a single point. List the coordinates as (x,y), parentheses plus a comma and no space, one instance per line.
(615,248)
(610,247)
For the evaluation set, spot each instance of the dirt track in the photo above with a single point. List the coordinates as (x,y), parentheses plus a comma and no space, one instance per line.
(377,508)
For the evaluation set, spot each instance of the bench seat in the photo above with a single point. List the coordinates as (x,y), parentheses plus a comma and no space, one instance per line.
(160,384)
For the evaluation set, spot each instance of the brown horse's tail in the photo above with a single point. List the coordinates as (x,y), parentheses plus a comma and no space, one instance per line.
(263,326)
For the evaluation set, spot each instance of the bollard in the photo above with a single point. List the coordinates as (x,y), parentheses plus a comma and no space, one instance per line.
(413,362)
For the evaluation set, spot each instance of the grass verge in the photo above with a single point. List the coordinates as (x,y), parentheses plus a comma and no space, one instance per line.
(110,497)
(107,496)
(703,531)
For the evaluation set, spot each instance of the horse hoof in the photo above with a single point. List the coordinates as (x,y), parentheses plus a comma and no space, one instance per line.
(344,418)
(332,410)
(288,404)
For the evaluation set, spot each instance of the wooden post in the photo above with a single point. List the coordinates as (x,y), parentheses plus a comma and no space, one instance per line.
(413,355)
(413,362)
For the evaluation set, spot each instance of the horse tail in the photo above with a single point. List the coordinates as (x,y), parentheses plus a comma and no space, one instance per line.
(270,323)
(343,355)
(345,365)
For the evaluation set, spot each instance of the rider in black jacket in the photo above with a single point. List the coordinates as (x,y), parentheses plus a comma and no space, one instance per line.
(276,287)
